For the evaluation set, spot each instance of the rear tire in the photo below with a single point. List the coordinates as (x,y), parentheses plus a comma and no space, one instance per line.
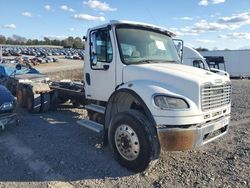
(20,96)
(33,102)
(129,140)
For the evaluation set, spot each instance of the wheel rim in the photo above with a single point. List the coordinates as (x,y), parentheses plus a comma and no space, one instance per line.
(127,142)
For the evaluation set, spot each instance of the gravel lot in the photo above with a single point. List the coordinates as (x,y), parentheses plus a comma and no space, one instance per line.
(51,150)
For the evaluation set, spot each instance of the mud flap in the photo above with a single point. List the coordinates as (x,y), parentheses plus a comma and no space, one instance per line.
(54,98)
(37,103)
(45,102)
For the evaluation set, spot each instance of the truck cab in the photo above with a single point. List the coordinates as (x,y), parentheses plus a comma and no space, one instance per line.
(192,57)
(216,62)
(143,99)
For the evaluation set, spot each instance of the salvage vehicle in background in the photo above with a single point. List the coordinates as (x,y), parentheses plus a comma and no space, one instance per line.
(7,107)
(27,84)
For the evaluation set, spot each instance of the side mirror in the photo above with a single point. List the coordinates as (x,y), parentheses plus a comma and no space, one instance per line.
(93,59)
(18,67)
(179,47)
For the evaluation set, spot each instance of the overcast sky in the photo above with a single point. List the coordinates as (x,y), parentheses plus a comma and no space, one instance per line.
(208,23)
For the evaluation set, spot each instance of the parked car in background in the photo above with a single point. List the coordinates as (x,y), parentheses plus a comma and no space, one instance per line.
(27,84)
(7,107)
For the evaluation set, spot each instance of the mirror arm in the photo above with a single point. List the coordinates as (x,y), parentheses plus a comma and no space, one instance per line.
(105,67)
(84,38)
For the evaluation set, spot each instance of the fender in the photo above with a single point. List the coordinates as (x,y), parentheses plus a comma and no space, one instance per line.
(146,90)
(135,95)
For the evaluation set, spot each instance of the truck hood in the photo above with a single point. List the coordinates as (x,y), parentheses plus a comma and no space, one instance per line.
(178,78)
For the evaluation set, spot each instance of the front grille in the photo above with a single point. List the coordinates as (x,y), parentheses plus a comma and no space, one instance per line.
(214,96)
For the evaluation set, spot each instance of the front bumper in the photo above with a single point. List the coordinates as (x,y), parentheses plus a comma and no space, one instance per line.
(6,119)
(176,139)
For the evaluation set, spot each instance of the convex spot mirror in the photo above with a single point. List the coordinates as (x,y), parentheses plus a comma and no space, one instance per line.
(179,47)
(93,59)
(18,67)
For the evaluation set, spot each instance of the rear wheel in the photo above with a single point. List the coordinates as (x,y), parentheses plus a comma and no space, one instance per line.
(129,139)
(20,95)
(30,102)
(33,102)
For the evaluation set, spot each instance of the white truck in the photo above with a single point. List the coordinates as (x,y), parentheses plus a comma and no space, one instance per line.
(192,57)
(140,97)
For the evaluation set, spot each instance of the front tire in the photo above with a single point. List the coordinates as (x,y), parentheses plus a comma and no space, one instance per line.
(129,139)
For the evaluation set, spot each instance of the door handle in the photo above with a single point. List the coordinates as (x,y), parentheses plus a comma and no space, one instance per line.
(105,67)
(87,76)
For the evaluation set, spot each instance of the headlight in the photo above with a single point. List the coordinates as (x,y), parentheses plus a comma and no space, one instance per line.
(7,106)
(167,102)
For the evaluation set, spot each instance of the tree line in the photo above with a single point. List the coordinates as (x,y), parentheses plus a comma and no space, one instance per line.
(69,42)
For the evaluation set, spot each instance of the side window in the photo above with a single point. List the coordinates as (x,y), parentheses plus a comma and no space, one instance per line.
(101,48)
(198,64)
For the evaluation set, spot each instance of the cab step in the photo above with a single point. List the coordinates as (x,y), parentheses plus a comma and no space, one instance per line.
(97,127)
(96,108)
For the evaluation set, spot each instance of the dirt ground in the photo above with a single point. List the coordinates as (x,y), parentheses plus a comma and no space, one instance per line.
(59,70)
(51,150)
(62,65)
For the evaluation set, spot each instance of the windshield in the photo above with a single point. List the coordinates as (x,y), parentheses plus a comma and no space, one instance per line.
(139,45)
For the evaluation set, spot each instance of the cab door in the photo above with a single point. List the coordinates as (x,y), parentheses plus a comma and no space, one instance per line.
(99,70)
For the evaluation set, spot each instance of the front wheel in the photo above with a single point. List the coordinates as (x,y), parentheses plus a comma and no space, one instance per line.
(129,139)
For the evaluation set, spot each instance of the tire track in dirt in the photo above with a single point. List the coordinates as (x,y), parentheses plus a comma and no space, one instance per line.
(38,166)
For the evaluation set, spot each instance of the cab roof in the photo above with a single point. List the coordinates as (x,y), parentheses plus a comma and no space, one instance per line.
(151,26)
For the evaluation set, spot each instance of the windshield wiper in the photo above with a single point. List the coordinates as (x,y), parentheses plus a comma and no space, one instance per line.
(144,61)
(155,61)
